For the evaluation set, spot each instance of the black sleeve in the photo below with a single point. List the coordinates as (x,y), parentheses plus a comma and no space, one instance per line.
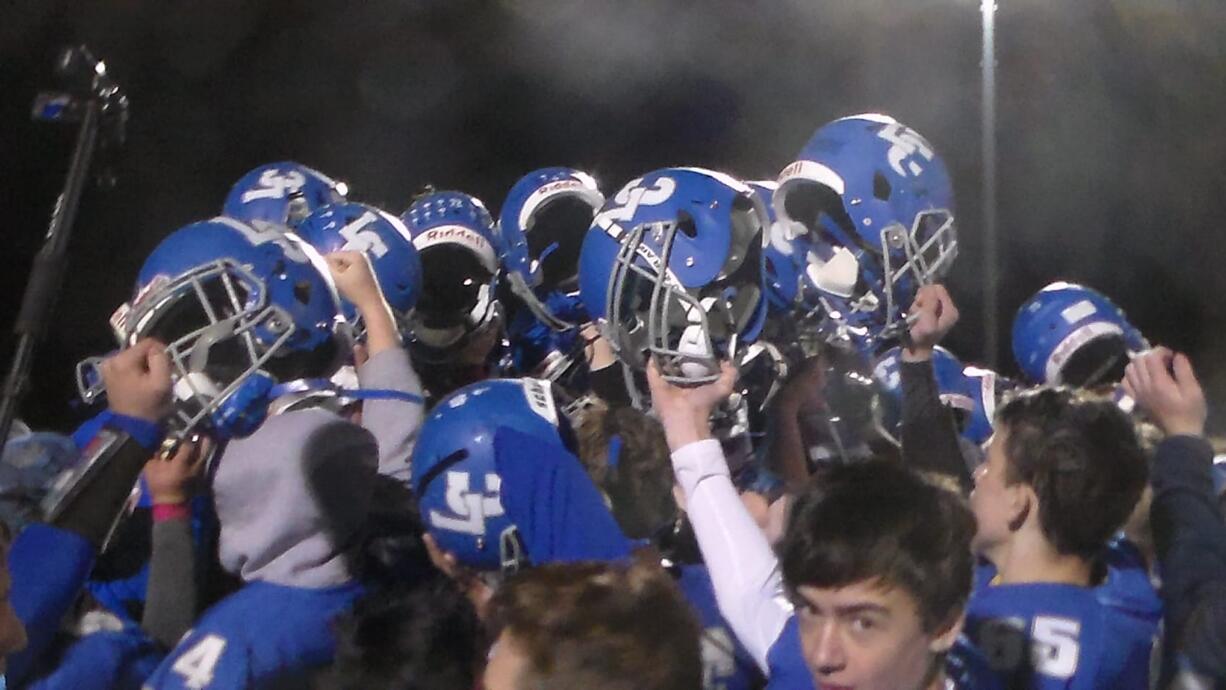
(929,435)
(101,489)
(170,596)
(609,384)
(1190,540)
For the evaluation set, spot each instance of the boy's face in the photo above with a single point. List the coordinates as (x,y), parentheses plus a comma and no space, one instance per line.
(993,501)
(867,637)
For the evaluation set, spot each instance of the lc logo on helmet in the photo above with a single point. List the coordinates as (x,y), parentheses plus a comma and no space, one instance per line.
(275,185)
(359,239)
(905,143)
(632,196)
(469,509)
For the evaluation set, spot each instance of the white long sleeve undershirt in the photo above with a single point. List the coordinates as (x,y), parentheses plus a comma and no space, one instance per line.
(744,569)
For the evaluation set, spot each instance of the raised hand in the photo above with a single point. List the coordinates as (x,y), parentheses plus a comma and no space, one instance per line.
(685,411)
(1163,383)
(933,314)
(172,480)
(355,279)
(138,381)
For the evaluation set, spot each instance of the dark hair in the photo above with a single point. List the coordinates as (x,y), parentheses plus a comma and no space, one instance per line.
(1082,457)
(639,481)
(879,519)
(424,638)
(600,626)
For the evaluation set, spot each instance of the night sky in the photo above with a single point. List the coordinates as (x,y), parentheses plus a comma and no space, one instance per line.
(1112,137)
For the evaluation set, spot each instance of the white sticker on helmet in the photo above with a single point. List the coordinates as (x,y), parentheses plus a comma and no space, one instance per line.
(359,239)
(275,185)
(584,189)
(1079,311)
(811,171)
(540,399)
(469,508)
(632,196)
(465,237)
(260,232)
(905,145)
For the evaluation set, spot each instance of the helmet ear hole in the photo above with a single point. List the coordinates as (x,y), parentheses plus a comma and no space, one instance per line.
(881,187)
(302,292)
(685,223)
(1099,362)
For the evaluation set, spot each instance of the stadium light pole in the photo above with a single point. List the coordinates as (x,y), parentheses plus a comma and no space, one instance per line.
(991,259)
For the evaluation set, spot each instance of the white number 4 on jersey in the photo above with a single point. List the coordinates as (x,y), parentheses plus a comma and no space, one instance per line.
(196,664)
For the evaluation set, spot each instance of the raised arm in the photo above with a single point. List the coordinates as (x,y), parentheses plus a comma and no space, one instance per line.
(1189,534)
(744,570)
(929,436)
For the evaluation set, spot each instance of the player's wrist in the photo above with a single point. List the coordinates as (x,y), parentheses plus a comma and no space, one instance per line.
(1183,427)
(163,512)
(682,428)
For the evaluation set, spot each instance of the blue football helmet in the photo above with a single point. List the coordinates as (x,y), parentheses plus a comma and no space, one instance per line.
(281,193)
(951,387)
(780,263)
(454,235)
(382,238)
(672,266)
(539,351)
(540,231)
(1071,334)
(875,197)
(240,309)
(985,388)
(798,311)
(454,471)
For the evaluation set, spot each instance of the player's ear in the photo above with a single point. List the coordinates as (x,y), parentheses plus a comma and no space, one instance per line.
(944,639)
(1022,501)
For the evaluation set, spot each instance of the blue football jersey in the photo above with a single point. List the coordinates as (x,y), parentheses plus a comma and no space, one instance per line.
(785,661)
(1056,636)
(262,634)
(47,567)
(726,665)
(1127,587)
(104,660)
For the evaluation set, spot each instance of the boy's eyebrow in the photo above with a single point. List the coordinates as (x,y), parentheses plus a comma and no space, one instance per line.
(799,599)
(864,607)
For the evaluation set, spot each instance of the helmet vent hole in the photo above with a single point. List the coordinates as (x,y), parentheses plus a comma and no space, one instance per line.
(881,187)
(302,292)
(685,223)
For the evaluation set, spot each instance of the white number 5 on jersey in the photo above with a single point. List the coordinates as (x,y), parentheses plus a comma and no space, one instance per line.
(1054,646)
